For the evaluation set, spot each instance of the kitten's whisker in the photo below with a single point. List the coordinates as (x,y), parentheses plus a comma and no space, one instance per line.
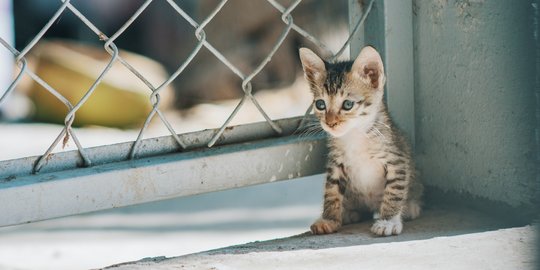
(384,124)
(307,127)
(379,134)
(312,124)
(311,130)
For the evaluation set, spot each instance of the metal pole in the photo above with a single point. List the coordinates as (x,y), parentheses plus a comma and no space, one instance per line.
(389,29)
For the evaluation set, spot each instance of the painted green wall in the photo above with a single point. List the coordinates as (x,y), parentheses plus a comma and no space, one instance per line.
(475,97)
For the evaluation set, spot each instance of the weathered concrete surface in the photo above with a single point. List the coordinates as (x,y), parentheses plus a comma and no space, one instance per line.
(501,249)
(443,238)
(475,97)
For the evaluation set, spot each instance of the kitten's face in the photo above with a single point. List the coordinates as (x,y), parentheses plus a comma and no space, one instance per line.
(346,109)
(345,95)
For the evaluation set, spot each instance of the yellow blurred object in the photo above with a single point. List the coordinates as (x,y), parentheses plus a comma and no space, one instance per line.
(120,100)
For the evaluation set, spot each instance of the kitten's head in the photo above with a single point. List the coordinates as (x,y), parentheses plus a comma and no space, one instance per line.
(346,95)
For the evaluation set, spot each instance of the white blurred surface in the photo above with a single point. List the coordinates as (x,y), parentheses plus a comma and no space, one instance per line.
(166,228)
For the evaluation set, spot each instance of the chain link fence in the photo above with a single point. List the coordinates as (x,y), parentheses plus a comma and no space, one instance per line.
(111,48)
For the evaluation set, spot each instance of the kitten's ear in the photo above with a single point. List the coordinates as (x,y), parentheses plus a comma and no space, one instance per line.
(313,65)
(369,68)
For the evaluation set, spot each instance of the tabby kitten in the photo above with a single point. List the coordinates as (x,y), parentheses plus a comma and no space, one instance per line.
(370,168)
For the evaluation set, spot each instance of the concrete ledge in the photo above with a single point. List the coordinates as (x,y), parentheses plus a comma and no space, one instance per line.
(501,249)
(443,238)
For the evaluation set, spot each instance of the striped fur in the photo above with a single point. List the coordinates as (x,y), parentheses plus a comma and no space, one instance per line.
(370,167)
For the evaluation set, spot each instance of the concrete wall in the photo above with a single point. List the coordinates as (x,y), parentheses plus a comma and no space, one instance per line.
(475,100)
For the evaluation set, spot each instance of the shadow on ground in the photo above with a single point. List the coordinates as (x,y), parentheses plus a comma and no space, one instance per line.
(441,219)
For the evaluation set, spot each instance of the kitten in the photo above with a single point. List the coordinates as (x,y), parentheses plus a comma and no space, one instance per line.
(370,168)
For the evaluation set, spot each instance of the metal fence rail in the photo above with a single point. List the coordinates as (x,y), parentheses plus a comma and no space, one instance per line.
(19,179)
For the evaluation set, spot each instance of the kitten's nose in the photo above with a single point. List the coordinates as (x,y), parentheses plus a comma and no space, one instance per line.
(332,124)
(331,120)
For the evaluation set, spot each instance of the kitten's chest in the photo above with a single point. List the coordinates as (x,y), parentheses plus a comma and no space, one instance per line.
(365,172)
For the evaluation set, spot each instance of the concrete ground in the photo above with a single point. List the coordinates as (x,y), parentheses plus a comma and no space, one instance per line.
(445,237)
(500,249)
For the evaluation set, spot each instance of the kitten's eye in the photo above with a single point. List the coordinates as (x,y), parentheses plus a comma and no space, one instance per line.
(320,105)
(347,105)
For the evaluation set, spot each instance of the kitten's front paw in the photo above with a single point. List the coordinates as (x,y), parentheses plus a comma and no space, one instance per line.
(387,227)
(324,226)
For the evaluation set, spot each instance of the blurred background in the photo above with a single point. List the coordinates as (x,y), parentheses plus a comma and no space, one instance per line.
(69,57)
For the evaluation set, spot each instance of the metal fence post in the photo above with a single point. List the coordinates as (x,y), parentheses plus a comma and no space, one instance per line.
(389,29)
(356,10)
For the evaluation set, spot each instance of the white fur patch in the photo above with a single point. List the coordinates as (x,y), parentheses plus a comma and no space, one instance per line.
(383,227)
(365,173)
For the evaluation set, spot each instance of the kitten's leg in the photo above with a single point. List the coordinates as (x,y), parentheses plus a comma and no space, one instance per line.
(413,207)
(351,216)
(394,198)
(331,219)
(411,210)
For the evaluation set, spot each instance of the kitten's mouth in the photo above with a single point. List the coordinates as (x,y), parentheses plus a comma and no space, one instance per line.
(336,131)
